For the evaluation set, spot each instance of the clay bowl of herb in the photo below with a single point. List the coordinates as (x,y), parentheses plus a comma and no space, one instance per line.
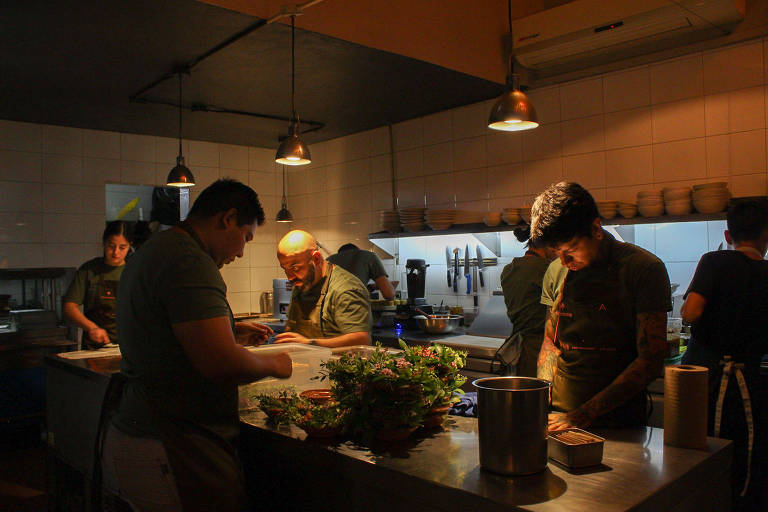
(317,396)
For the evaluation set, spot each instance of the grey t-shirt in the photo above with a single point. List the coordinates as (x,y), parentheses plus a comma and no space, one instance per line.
(170,280)
(363,264)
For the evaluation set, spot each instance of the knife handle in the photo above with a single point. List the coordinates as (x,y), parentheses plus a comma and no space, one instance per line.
(469,284)
(482,281)
(449,278)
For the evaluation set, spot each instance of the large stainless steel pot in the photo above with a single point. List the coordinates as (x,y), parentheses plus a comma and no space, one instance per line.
(438,324)
(512,421)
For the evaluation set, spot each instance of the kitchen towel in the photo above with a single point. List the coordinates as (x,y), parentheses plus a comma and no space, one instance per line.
(685,406)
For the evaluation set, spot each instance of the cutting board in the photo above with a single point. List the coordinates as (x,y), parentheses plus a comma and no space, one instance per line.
(475,346)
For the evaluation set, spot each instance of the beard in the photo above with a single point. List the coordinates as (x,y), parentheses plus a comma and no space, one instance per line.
(309,282)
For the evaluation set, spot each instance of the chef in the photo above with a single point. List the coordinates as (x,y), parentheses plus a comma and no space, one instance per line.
(605,334)
(329,306)
(366,266)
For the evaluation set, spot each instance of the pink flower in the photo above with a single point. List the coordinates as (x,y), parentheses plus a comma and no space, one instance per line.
(387,372)
(402,363)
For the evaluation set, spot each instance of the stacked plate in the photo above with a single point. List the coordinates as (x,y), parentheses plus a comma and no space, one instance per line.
(390,221)
(607,209)
(525,213)
(412,219)
(492,218)
(711,197)
(677,200)
(627,210)
(511,216)
(440,219)
(468,217)
(650,203)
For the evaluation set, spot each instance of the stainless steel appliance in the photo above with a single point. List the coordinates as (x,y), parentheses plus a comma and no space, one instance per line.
(281,297)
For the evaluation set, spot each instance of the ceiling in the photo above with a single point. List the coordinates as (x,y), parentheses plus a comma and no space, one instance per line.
(76,63)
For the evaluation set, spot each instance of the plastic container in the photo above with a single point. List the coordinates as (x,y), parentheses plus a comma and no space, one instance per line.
(306,365)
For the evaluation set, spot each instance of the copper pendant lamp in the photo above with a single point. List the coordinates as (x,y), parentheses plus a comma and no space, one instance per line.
(292,150)
(180,176)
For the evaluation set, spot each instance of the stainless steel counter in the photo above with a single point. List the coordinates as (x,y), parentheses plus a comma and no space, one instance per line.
(441,471)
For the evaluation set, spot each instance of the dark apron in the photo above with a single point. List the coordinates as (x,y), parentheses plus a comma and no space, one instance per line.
(307,318)
(595,331)
(101,302)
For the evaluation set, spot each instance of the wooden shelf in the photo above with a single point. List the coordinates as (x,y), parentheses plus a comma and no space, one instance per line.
(460,229)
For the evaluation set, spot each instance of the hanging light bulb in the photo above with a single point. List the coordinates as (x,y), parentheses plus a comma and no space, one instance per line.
(293,151)
(180,176)
(513,110)
(284,215)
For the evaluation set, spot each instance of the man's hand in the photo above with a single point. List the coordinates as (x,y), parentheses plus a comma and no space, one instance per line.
(291,337)
(283,367)
(561,420)
(98,335)
(251,333)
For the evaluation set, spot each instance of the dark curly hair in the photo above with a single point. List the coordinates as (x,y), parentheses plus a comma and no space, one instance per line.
(560,213)
(224,194)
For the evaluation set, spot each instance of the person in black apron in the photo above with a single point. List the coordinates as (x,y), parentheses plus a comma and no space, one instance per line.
(329,306)
(95,288)
(605,335)
(727,304)
(171,444)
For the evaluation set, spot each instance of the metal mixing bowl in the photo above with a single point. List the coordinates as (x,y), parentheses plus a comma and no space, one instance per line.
(438,324)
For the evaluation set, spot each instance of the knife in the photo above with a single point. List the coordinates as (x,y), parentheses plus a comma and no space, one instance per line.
(456,269)
(467,270)
(448,264)
(480,265)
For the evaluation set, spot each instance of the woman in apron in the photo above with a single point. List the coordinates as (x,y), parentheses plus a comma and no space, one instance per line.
(95,288)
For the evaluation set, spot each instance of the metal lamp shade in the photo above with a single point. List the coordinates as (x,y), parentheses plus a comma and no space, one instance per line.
(293,151)
(180,176)
(284,215)
(512,112)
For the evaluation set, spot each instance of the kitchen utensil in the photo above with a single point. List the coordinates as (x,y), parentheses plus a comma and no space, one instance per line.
(448,264)
(466,269)
(455,269)
(480,265)
(474,286)
(512,423)
(266,302)
(575,448)
(438,324)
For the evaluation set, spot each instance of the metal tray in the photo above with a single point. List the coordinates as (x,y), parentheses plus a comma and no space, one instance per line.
(575,448)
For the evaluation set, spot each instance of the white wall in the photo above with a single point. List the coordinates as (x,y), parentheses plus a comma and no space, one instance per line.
(693,119)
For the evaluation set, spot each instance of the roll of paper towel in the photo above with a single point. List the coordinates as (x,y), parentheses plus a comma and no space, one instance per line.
(685,406)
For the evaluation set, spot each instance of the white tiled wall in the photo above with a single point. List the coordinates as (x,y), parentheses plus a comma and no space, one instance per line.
(693,119)
(52,198)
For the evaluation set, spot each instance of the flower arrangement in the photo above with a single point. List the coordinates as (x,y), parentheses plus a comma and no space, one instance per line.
(277,405)
(325,419)
(389,393)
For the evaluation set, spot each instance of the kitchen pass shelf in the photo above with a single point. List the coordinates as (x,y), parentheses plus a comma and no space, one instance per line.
(459,229)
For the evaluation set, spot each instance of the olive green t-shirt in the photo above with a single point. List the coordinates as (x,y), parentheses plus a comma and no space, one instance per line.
(346,309)
(363,264)
(521,282)
(95,286)
(170,280)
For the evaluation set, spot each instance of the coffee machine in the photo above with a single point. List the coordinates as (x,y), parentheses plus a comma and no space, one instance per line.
(416,279)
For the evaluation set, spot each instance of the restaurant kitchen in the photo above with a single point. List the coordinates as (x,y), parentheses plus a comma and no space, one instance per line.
(689,114)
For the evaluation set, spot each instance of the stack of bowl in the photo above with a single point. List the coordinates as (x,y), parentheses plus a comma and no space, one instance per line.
(627,210)
(525,213)
(468,217)
(440,219)
(492,218)
(607,209)
(711,197)
(412,219)
(390,221)
(650,203)
(511,216)
(677,200)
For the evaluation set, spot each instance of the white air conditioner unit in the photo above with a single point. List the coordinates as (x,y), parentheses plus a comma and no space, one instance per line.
(586,33)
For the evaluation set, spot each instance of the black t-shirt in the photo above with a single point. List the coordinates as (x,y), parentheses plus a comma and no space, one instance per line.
(733,322)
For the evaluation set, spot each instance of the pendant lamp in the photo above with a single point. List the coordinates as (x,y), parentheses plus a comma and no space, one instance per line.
(513,110)
(292,150)
(284,215)
(180,176)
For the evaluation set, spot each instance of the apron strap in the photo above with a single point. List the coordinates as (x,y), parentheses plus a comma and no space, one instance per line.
(730,368)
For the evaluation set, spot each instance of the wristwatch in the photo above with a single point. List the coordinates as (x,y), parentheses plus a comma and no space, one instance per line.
(313,341)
